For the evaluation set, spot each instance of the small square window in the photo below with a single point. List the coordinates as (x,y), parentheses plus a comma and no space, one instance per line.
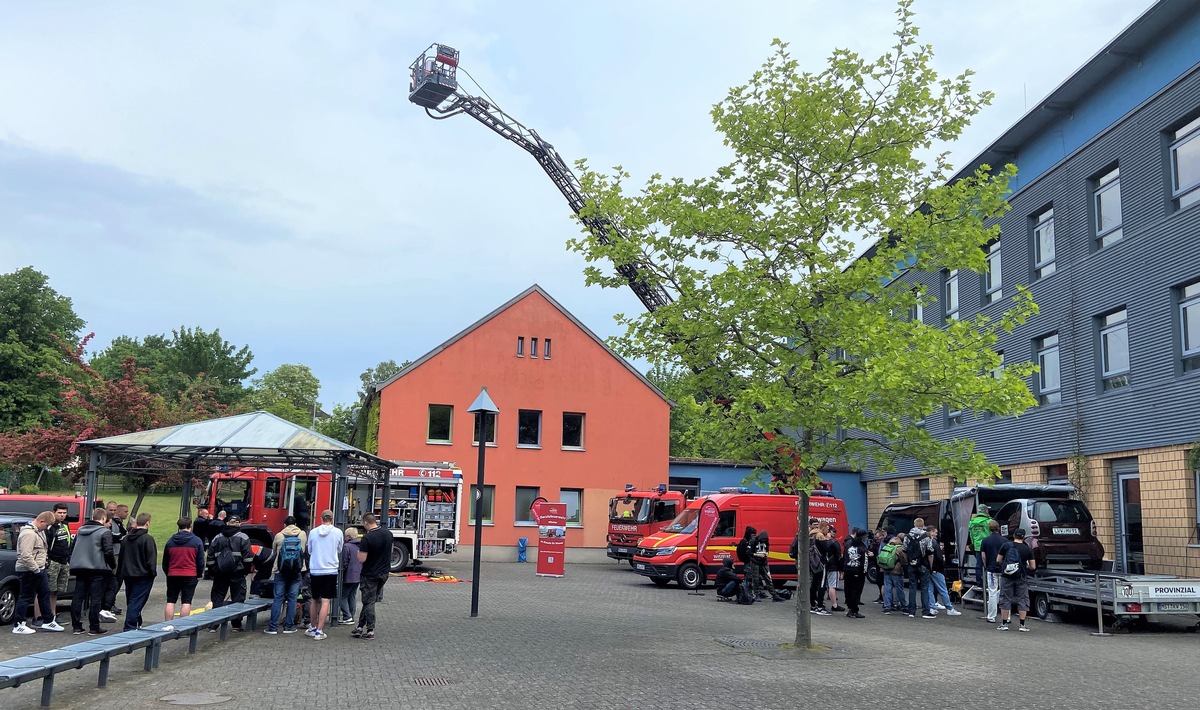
(572,431)
(573,498)
(893,489)
(533,347)
(441,417)
(1043,243)
(525,497)
(520,347)
(1114,350)
(546,348)
(1049,376)
(529,427)
(1005,476)
(488,500)
(491,428)
(1106,202)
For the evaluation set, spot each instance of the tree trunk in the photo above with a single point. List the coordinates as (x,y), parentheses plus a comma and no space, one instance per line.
(137,503)
(803,580)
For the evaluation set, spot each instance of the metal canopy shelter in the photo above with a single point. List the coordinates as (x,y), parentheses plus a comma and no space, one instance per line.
(254,440)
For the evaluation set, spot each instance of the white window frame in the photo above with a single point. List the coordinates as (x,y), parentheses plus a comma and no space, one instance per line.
(993,280)
(563,496)
(923,489)
(1043,234)
(1189,298)
(1188,135)
(950,294)
(1046,346)
(520,346)
(954,417)
(533,351)
(1114,325)
(1106,185)
(429,422)
(537,444)
(546,349)
(893,489)
(489,498)
(493,419)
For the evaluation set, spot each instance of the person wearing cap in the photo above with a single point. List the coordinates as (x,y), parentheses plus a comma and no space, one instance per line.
(1014,587)
(229,581)
(977,530)
(990,547)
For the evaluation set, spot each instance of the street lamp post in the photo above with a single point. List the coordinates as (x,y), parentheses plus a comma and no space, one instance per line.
(482,408)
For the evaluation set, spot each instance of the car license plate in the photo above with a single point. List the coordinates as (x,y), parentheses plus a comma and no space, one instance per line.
(623,550)
(639,565)
(1174,606)
(1066,531)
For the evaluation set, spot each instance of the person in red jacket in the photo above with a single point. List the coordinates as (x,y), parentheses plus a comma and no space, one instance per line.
(183,563)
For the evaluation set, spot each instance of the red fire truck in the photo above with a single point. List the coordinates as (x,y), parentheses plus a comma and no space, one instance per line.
(637,514)
(422,514)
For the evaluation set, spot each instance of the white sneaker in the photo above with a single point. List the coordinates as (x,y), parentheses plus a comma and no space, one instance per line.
(953,612)
(939,607)
(107,615)
(52,626)
(312,631)
(21,628)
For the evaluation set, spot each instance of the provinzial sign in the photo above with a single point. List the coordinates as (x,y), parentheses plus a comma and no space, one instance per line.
(552,537)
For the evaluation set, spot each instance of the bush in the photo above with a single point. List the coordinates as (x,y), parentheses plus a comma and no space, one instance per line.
(28,489)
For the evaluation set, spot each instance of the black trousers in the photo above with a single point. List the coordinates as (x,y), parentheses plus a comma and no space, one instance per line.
(233,587)
(89,589)
(112,585)
(853,584)
(816,590)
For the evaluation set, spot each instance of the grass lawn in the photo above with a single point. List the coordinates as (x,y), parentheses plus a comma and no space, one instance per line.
(163,509)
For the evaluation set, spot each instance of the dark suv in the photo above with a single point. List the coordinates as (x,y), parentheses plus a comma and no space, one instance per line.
(1061,532)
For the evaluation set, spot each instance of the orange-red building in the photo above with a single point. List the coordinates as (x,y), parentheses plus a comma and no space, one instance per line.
(576,423)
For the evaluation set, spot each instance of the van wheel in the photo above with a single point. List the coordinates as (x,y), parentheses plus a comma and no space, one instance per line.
(689,575)
(1041,605)
(400,556)
(659,581)
(872,575)
(8,603)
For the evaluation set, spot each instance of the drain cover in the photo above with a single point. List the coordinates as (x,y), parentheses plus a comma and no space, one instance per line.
(196,699)
(431,681)
(747,643)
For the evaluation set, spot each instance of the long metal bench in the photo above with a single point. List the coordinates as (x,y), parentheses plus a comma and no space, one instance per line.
(46,664)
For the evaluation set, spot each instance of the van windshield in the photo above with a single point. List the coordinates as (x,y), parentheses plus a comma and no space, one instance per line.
(685,522)
(629,510)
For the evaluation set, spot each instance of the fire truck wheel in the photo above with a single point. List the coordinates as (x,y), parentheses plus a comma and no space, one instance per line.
(400,556)
(689,575)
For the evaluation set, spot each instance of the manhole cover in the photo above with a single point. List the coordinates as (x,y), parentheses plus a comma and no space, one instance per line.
(747,643)
(431,681)
(196,699)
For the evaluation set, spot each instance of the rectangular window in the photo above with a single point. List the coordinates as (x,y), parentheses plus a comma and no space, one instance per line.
(1043,243)
(573,497)
(1005,476)
(1107,204)
(529,427)
(487,504)
(923,489)
(546,348)
(1055,474)
(1114,350)
(440,418)
(993,289)
(272,498)
(525,497)
(491,428)
(1185,165)
(954,416)
(950,293)
(520,347)
(916,313)
(572,435)
(533,347)
(1189,326)
(1049,376)
(893,489)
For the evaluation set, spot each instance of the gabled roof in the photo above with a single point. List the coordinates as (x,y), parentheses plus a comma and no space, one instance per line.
(256,439)
(505,306)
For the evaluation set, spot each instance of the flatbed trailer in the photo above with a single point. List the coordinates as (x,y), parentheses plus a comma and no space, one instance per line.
(1124,598)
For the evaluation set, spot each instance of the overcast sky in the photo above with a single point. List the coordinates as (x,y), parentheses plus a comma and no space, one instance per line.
(257,168)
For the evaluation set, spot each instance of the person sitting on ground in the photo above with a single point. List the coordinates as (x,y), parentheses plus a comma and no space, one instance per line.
(727,579)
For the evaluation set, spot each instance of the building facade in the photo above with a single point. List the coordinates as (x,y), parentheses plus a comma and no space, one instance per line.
(1104,231)
(576,422)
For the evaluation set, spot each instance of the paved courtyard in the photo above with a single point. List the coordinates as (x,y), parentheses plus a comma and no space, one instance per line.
(603,637)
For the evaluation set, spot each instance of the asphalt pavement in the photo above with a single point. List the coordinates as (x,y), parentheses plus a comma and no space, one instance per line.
(604,637)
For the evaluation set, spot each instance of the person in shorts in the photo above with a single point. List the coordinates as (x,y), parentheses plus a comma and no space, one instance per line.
(324,561)
(183,563)
(1014,584)
(58,573)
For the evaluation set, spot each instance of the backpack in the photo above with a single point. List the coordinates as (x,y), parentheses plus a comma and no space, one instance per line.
(1012,562)
(912,548)
(887,557)
(291,557)
(224,560)
(743,550)
(852,560)
(815,562)
(745,595)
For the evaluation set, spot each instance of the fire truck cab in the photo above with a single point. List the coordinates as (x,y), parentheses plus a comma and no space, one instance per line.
(637,514)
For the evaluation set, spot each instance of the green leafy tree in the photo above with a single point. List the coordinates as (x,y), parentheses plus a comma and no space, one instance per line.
(796,338)
(340,424)
(374,375)
(35,322)
(288,391)
(189,359)
(692,427)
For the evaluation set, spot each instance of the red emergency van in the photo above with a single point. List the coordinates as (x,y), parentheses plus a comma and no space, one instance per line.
(671,554)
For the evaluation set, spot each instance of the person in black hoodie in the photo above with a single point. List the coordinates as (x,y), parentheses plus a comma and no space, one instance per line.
(138,568)
(727,580)
(762,562)
(92,561)
(745,555)
(854,572)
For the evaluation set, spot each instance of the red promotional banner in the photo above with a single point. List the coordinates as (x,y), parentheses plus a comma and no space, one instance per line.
(706,525)
(552,537)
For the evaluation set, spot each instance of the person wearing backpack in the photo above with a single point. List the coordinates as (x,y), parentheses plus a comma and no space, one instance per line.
(892,563)
(289,546)
(833,566)
(991,549)
(229,559)
(918,546)
(854,569)
(816,569)
(1016,561)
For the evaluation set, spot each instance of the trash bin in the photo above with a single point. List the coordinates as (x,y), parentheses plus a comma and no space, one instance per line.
(522,548)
